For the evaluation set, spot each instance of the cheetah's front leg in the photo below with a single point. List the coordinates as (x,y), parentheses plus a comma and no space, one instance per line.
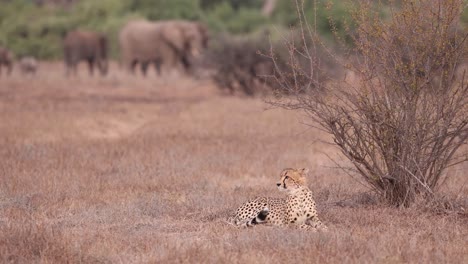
(308,227)
(315,222)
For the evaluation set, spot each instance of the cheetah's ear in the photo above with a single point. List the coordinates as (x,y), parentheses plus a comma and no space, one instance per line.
(304,171)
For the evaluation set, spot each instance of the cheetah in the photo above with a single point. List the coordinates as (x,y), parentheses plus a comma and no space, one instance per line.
(297,210)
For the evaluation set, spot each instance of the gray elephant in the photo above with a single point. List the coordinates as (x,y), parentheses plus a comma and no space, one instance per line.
(6,59)
(163,43)
(141,42)
(88,46)
(195,39)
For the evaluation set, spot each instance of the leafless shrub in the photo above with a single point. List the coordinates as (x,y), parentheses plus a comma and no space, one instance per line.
(403,119)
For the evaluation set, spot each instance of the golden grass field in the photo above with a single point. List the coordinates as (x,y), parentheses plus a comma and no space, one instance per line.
(123,169)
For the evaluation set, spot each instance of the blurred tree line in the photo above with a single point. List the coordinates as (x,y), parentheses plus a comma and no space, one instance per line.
(36,27)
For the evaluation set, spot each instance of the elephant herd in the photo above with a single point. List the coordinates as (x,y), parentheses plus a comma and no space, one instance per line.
(168,44)
(165,45)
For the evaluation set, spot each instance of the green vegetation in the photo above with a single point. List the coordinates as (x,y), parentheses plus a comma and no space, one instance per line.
(30,29)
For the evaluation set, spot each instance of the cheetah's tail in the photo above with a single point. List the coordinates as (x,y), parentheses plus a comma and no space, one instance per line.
(259,219)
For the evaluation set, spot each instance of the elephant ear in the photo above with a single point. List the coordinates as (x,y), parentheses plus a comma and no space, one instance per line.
(205,35)
(171,33)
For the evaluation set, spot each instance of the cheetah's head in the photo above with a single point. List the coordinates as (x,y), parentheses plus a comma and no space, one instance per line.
(292,179)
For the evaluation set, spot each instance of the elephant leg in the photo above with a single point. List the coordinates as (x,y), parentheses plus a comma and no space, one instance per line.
(246,84)
(73,69)
(144,67)
(68,69)
(157,65)
(102,66)
(66,62)
(185,63)
(91,66)
(133,65)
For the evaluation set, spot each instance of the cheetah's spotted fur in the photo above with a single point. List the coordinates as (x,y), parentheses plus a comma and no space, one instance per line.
(297,210)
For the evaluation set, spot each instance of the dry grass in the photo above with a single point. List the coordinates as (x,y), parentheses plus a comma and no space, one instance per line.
(121,169)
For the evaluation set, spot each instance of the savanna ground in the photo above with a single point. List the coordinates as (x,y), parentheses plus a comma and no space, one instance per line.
(128,170)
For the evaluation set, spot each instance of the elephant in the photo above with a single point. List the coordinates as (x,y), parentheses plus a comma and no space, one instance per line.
(140,42)
(6,59)
(90,46)
(170,43)
(195,39)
